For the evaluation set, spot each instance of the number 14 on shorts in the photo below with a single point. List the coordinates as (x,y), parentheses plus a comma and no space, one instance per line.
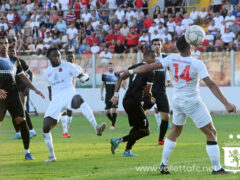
(184,75)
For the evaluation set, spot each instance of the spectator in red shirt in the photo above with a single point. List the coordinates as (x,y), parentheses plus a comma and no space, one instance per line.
(138,3)
(92,38)
(70,17)
(148,21)
(16,23)
(132,40)
(238,18)
(77,8)
(204,46)
(177,18)
(84,3)
(120,38)
(109,37)
(136,28)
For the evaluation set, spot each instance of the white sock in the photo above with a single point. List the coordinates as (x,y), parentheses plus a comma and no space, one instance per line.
(26,151)
(32,130)
(48,141)
(88,113)
(64,123)
(214,155)
(69,121)
(158,118)
(167,150)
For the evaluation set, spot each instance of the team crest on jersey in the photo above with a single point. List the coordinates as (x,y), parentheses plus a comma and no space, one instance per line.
(60,69)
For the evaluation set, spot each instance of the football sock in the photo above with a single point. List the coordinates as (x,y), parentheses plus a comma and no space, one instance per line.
(48,141)
(64,123)
(109,115)
(114,117)
(69,121)
(29,123)
(25,134)
(214,154)
(88,113)
(163,129)
(26,151)
(167,150)
(158,118)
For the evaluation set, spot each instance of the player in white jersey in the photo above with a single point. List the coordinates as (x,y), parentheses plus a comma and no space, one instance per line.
(60,77)
(187,102)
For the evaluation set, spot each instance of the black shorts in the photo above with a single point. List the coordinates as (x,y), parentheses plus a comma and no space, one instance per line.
(161,101)
(109,104)
(13,104)
(135,112)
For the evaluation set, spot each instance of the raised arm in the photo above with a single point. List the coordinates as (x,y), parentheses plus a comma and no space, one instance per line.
(217,92)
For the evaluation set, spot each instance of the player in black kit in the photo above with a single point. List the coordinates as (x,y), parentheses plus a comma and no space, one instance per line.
(23,92)
(138,85)
(109,80)
(159,93)
(9,97)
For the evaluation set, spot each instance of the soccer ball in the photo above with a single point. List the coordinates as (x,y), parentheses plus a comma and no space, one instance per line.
(194,35)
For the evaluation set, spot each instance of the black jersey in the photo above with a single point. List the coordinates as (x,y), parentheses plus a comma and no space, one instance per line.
(110,80)
(20,85)
(9,68)
(138,83)
(159,78)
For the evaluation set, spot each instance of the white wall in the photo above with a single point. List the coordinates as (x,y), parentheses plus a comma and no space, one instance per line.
(92,97)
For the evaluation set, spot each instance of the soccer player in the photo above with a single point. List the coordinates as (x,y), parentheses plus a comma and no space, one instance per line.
(187,101)
(23,93)
(60,77)
(9,97)
(109,80)
(138,85)
(159,93)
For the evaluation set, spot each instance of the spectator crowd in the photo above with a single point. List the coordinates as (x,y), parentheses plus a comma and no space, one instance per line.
(115,26)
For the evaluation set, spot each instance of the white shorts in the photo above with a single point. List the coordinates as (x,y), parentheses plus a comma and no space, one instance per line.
(59,103)
(195,109)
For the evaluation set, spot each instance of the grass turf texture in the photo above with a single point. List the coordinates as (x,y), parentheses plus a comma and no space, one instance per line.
(86,156)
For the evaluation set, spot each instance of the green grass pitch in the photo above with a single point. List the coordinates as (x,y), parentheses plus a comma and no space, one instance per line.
(87,156)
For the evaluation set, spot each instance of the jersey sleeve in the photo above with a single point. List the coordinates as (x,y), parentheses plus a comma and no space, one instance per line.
(150,77)
(19,67)
(73,70)
(165,62)
(202,70)
(24,65)
(103,78)
(46,77)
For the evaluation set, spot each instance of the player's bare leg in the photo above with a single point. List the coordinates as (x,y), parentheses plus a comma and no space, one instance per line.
(168,147)
(212,148)
(109,115)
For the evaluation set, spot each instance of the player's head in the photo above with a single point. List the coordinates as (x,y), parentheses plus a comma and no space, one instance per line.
(156,45)
(4,45)
(183,46)
(110,67)
(12,50)
(149,56)
(70,57)
(54,56)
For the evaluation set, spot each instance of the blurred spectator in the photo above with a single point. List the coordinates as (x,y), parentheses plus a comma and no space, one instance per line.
(120,14)
(124,30)
(138,3)
(56,42)
(155,35)
(210,38)
(136,28)
(95,48)
(218,19)
(46,5)
(77,8)
(235,28)
(168,47)
(177,18)
(56,4)
(129,13)
(10,17)
(61,26)
(186,22)
(195,53)
(86,16)
(64,5)
(92,38)
(3,32)
(131,22)
(216,5)
(109,37)
(171,25)
(139,14)
(194,15)
(132,40)
(145,7)
(47,41)
(203,46)
(105,56)
(119,47)
(3,23)
(203,15)
(100,33)
(152,28)
(82,49)
(224,11)
(72,33)
(161,28)
(219,45)
(144,38)
(71,17)
(111,4)
(229,19)
(148,22)
(238,18)
(212,29)
(166,35)
(84,4)
(156,12)
(227,38)
(180,29)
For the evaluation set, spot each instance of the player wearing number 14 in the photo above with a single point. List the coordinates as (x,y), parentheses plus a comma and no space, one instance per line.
(187,102)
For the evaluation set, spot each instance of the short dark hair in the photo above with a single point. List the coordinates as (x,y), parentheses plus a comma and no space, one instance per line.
(182,44)
(156,39)
(50,50)
(148,53)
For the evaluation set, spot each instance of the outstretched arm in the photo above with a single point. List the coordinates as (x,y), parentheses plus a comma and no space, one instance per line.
(124,76)
(217,92)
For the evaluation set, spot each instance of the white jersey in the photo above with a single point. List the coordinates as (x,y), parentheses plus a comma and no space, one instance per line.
(186,73)
(61,77)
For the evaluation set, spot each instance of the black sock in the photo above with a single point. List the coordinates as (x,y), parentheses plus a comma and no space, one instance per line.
(29,123)
(25,134)
(114,117)
(15,125)
(134,135)
(109,115)
(163,129)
